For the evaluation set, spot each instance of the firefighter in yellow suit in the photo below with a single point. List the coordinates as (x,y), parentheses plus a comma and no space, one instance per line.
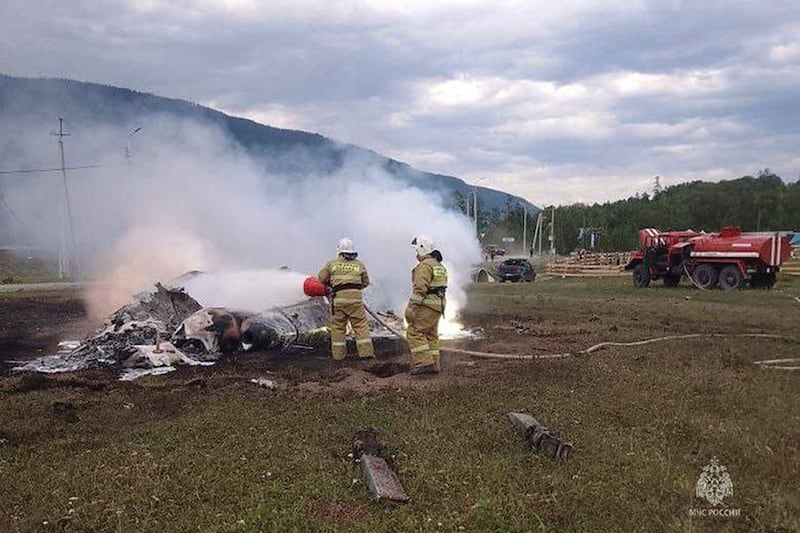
(425,307)
(346,276)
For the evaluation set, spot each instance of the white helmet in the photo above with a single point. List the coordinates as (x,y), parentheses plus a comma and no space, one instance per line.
(424,245)
(345,246)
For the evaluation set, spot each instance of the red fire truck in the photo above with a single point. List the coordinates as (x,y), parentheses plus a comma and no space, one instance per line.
(729,259)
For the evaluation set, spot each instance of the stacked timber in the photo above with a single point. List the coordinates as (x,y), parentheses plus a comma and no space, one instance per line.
(589,265)
(600,258)
(791,267)
(572,270)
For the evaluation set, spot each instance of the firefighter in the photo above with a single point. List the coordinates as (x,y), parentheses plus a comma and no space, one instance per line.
(346,277)
(425,307)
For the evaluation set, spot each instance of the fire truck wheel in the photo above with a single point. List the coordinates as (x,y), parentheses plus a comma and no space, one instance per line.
(641,277)
(731,277)
(705,276)
(763,281)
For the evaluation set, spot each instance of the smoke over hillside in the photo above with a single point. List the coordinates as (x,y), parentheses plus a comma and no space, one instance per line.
(192,199)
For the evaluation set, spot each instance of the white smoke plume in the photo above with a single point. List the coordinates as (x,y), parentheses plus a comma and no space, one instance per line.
(192,200)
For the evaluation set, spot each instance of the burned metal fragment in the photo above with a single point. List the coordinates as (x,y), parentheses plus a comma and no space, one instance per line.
(304,324)
(540,438)
(378,468)
(211,329)
(168,305)
(160,354)
(119,343)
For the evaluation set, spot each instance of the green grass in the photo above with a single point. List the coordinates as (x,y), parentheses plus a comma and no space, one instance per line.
(644,422)
(16,268)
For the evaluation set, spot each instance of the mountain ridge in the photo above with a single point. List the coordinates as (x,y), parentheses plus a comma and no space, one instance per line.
(83,100)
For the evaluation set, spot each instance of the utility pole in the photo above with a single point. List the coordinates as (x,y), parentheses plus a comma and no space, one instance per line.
(67,250)
(657,188)
(541,233)
(537,234)
(475,206)
(552,232)
(475,210)
(525,231)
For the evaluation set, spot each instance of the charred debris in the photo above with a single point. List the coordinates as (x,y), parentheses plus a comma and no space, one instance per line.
(166,327)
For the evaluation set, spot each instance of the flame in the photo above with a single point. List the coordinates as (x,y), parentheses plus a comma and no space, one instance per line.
(450,327)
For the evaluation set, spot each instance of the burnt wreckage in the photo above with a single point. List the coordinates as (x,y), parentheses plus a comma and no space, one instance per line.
(166,327)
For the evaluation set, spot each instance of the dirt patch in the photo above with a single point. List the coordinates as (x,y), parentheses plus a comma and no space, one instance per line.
(64,412)
(32,324)
(388,368)
(339,512)
(93,381)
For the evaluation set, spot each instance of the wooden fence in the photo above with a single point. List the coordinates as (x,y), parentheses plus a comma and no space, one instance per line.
(791,267)
(589,265)
(612,264)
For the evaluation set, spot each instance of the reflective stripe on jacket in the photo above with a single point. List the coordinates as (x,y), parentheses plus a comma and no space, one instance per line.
(340,271)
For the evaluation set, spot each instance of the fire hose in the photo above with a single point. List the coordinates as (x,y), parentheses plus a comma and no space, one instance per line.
(691,278)
(383,323)
(763,364)
(770,363)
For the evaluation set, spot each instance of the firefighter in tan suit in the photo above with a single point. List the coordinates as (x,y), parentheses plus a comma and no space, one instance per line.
(425,307)
(347,276)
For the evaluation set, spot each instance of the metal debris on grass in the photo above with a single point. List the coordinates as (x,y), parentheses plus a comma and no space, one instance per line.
(377,467)
(540,438)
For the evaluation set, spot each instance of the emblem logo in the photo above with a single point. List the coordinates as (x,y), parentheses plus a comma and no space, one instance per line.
(714,483)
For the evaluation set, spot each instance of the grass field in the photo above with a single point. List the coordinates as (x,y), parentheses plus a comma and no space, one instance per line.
(18,267)
(204,450)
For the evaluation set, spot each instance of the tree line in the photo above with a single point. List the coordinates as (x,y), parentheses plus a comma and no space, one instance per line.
(761,203)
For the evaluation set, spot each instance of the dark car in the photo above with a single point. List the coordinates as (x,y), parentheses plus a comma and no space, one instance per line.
(493,249)
(515,270)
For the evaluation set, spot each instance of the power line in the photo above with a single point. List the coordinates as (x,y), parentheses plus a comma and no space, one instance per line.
(4,203)
(58,169)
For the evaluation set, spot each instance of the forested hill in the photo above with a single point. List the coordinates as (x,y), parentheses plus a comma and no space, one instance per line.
(761,203)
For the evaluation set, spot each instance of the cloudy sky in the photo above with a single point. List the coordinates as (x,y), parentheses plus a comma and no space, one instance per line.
(557,101)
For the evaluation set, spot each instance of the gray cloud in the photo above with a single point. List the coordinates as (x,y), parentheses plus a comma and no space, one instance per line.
(558,103)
